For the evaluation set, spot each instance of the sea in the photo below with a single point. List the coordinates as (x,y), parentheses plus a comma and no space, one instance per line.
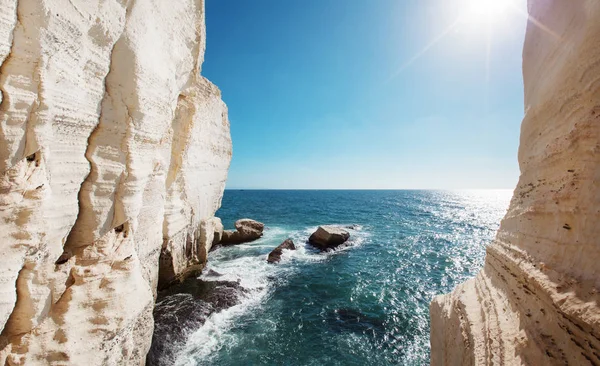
(366,303)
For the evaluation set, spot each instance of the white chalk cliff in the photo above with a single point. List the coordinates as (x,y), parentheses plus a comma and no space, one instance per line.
(537,301)
(114,151)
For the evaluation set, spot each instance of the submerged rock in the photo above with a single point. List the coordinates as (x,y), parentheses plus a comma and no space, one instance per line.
(183,308)
(328,237)
(352,320)
(247,230)
(213,273)
(275,255)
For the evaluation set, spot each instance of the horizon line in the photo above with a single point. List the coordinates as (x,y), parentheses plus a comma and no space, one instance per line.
(368,189)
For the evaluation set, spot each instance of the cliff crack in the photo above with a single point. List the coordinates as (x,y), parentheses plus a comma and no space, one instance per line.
(5,150)
(90,145)
(8,55)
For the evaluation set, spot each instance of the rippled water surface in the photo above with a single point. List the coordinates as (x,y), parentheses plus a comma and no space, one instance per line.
(366,304)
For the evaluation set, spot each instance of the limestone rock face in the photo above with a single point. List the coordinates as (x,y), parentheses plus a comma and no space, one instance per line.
(536,302)
(218,233)
(113,151)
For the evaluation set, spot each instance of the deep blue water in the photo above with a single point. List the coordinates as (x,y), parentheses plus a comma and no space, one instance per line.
(366,304)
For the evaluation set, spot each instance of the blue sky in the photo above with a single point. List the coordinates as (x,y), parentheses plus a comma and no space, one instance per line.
(330,94)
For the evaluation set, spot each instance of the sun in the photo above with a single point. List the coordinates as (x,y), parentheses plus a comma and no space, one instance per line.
(487,20)
(487,11)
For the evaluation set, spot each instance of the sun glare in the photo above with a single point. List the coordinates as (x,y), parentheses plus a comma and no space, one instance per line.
(486,11)
(479,20)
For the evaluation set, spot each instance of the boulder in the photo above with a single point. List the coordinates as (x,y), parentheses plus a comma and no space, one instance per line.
(328,237)
(213,273)
(243,225)
(275,255)
(247,230)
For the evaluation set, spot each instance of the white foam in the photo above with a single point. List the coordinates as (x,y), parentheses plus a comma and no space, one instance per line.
(242,264)
(213,335)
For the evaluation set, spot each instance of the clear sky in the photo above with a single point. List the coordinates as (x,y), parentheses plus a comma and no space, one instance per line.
(369,93)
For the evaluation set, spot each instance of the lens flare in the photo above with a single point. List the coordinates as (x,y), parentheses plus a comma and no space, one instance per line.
(487,11)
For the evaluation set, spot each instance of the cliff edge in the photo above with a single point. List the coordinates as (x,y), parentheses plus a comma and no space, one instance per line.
(536,301)
(114,153)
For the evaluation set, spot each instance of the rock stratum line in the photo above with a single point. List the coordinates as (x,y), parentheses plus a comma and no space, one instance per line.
(536,301)
(114,152)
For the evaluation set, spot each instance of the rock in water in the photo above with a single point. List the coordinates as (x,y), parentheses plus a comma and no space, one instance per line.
(247,230)
(537,299)
(249,225)
(355,321)
(183,308)
(213,273)
(328,237)
(275,255)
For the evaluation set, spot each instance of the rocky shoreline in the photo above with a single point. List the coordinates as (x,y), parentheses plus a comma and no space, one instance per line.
(183,308)
(185,305)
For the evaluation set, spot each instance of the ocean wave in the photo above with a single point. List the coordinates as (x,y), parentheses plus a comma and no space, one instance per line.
(246,264)
(214,333)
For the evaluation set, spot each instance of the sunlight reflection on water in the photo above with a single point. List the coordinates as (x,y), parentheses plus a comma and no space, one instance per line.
(366,304)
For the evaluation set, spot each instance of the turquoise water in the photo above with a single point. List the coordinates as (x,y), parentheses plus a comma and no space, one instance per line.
(365,304)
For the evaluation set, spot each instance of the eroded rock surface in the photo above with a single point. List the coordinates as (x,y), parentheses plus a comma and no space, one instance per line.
(327,237)
(114,151)
(247,230)
(536,302)
(182,309)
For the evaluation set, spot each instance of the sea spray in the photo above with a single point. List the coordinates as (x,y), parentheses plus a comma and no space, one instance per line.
(246,265)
